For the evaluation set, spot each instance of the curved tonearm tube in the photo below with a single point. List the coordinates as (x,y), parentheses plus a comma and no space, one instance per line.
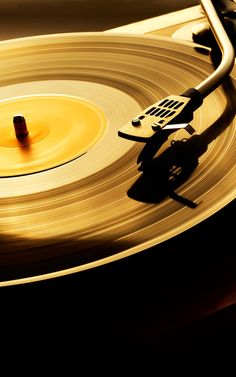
(174,112)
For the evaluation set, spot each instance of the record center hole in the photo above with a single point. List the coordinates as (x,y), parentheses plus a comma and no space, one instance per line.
(47,131)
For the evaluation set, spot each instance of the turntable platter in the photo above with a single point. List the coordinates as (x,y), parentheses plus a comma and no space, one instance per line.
(79,215)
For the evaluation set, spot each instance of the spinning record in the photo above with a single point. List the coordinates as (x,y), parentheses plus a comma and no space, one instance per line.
(72,193)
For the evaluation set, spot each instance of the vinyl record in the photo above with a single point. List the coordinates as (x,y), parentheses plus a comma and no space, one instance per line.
(64,212)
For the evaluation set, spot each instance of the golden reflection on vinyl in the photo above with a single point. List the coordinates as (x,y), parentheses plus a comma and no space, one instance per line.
(60,129)
(76,215)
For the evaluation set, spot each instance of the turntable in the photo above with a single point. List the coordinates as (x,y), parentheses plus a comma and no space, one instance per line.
(82,184)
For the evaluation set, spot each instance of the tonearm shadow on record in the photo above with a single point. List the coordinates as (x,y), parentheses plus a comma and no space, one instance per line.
(162,175)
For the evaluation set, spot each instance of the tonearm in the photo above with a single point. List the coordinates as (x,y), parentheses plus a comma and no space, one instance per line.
(175,112)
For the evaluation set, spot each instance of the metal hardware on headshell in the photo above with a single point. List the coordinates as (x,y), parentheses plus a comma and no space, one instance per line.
(166,114)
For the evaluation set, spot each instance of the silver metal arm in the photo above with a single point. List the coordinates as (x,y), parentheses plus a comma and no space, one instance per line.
(227,50)
(175,112)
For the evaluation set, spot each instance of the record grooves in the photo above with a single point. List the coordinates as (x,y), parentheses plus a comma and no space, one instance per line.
(100,207)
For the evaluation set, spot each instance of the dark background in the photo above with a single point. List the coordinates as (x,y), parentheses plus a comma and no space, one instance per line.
(175,301)
(19,18)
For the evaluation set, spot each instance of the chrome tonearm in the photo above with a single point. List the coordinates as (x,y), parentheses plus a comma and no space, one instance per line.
(176,111)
